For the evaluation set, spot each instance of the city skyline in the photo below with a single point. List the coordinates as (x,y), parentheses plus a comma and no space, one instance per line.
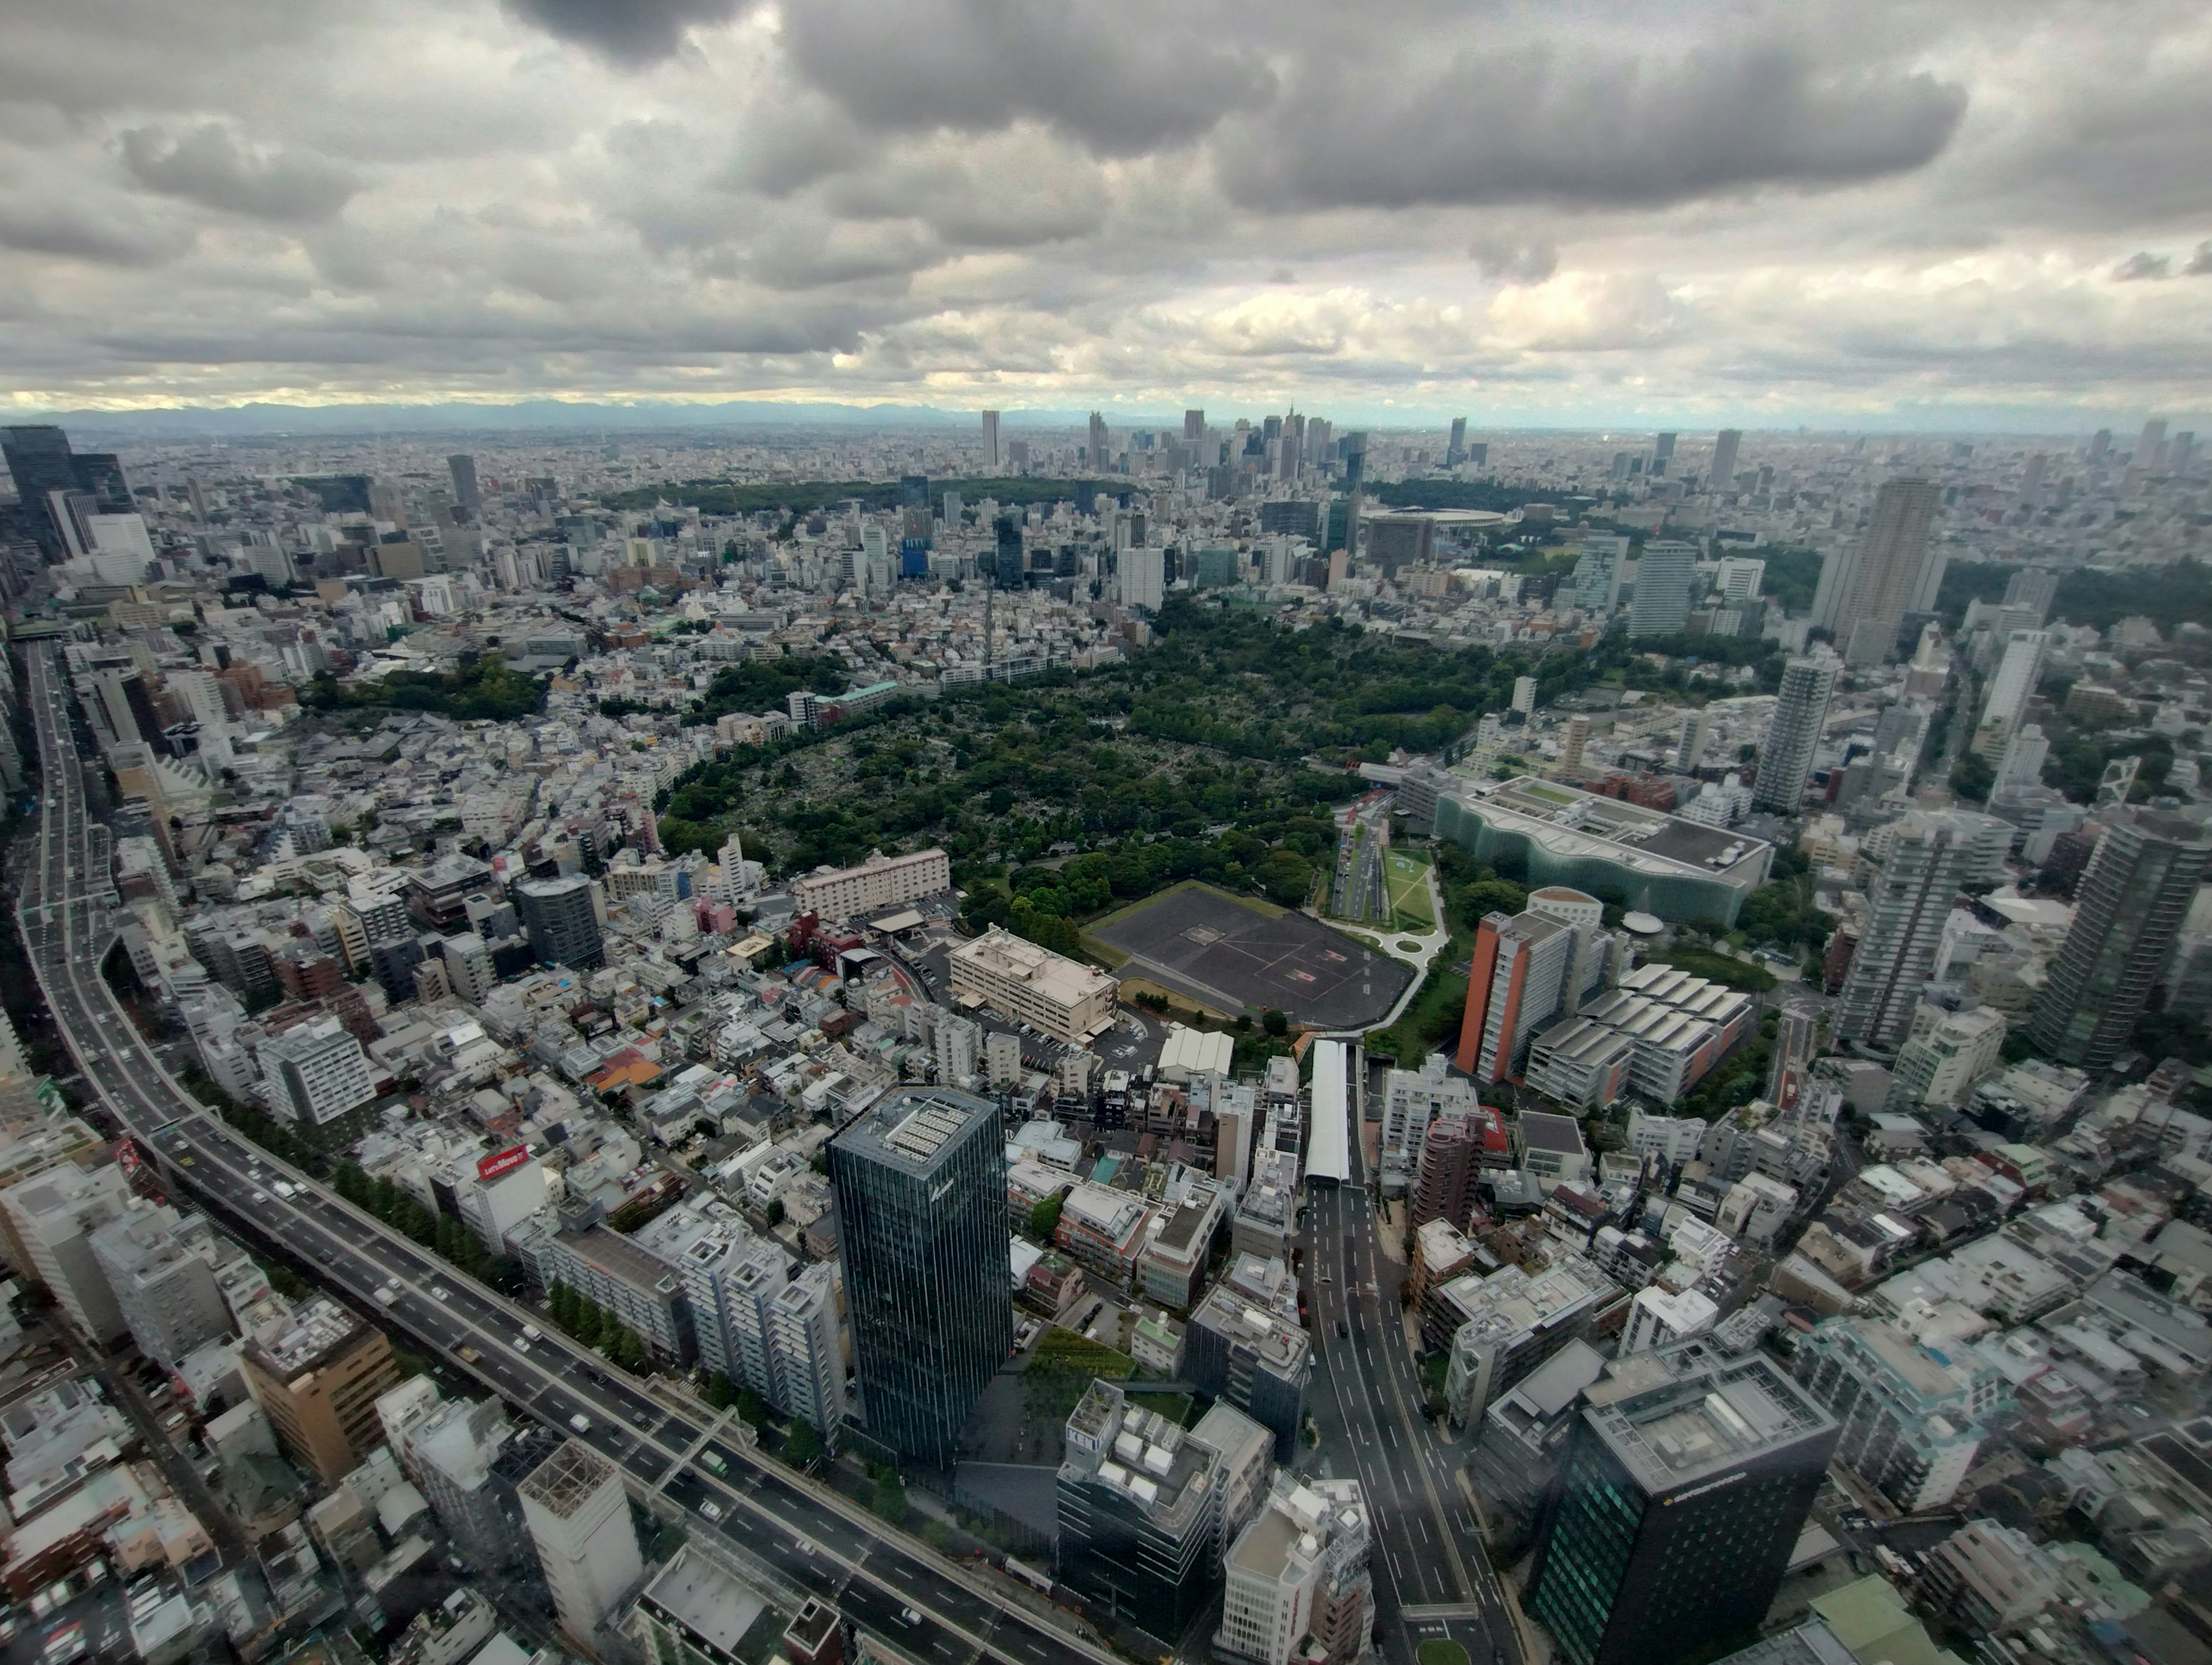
(1933,219)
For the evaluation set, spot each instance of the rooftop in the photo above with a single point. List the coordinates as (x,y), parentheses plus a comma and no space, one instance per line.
(1568,821)
(568,1479)
(914,1128)
(1711,1415)
(698,1596)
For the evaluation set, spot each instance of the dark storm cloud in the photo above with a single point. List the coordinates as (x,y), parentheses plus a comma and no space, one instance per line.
(633,33)
(1542,124)
(1139,81)
(2143,267)
(207,165)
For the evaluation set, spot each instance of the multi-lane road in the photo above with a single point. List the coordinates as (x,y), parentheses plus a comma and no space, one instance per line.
(1431,1577)
(804,1537)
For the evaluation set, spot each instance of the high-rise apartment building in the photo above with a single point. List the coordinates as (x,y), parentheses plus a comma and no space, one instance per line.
(1876,583)
(1598,573)
(921,1207)
(1721,477)
(317,1071)
(2010,687)
(1519,975)
(768,1323)
(1910,1416)
(1669,1525)
(1412,1100)
(1929,856)
(579,1520)
(1793,732)
(160,1266)
(2128,908)
(562,921)
(453,1456)
(1942,1057)
(54,1215)
(317,1378)
(1666,578)
(1140,578)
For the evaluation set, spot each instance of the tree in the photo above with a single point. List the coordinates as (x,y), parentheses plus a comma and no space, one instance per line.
(890,1500)
(805,1447)
(1044,1218)
(1274,1022)
(719,1391)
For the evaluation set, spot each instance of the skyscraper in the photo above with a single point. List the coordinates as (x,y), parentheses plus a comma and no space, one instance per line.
(1794,731)
(1517,979)
(1007,572)
(2017,674)
(1456,446)
(1721,477)
(561,921)
(1099,442)
(922,1206)
(1930,855)
(1662,452)
(47,472)
(991,440)
(1193,427)
(1687,1478)
(1663,581)
(465,492)
(2128,906)
(1876,583)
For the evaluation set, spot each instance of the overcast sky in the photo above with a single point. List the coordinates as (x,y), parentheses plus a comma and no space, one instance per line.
(1878,212)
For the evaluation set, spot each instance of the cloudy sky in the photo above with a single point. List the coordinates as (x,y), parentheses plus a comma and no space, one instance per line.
(1763,212)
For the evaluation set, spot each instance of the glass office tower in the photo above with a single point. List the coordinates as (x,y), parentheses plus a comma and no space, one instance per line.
(1687,1481)
(922,1206)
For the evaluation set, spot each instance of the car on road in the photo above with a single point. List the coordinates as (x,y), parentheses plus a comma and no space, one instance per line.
(531,1332)
(581,1422)
(1343,1328)
(908,1616)
(468,1355)
(441,1291)
(711,1510)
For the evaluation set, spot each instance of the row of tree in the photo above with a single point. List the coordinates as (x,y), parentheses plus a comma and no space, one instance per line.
(595,1327)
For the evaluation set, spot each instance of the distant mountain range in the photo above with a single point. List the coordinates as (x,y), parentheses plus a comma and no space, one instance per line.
(220,422)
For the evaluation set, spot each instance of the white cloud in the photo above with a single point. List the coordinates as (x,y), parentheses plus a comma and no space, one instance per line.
(1570,209)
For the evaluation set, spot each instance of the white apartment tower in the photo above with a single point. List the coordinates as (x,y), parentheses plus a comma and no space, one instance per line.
(317,1071)
(579,1519)
(1793,732)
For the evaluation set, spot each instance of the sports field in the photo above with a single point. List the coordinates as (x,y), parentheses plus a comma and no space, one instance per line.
(1231,955)
(1408,876)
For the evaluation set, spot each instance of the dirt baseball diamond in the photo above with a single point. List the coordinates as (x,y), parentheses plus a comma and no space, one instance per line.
(1225,951)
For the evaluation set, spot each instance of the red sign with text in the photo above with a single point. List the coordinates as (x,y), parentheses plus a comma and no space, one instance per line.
(503,1161)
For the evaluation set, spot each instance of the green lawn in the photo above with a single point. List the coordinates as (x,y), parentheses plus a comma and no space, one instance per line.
(1721,969)
(1408,877)
(1432,1014)
(1439,1651)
